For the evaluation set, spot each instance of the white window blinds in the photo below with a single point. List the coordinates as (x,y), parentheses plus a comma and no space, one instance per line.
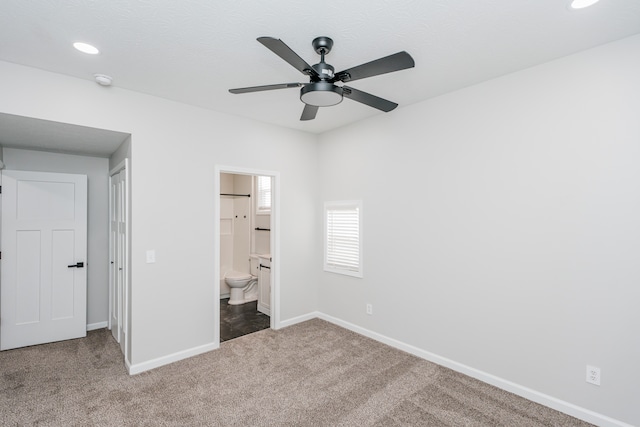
(343,238)
(264,194)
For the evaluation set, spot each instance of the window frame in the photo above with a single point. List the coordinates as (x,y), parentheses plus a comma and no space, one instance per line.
(343,205)
(258,197)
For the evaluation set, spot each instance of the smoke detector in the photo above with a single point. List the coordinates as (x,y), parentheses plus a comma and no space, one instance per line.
(103,79)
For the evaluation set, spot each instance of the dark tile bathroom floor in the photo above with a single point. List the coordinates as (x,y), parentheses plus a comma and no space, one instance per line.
(239,320)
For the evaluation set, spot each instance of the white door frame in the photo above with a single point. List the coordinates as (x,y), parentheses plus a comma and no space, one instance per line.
(124,319)
(274,236)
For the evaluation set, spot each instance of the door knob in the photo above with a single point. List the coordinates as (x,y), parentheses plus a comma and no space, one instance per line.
(76,265)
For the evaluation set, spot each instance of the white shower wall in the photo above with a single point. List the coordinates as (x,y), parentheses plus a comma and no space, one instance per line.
(235,226)
(242,223)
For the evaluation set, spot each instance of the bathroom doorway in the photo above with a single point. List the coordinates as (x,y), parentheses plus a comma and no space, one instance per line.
(246,258)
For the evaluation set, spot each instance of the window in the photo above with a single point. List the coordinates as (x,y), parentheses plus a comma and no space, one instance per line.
(263,201)
(343,238)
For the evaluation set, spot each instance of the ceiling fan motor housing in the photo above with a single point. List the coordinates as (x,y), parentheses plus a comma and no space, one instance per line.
(324,70)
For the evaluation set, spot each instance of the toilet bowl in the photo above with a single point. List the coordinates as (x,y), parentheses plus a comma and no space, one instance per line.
(243,287)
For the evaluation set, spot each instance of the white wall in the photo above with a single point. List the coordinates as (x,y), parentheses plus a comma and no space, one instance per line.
(123,152)
(175,148)
(97,173)
(501,226)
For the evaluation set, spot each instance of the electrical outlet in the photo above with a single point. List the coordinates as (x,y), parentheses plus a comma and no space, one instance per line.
(593,375)
(369,309)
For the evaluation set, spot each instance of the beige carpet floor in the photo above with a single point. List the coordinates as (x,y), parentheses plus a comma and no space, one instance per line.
(310,374)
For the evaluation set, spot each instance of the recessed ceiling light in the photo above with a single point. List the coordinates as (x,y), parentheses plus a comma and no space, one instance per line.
(581,4)
(86,48)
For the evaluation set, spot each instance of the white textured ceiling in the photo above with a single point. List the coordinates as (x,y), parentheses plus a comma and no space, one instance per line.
(194,51)
(44,135)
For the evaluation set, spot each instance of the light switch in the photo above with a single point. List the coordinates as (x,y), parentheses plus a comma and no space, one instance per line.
(151,256)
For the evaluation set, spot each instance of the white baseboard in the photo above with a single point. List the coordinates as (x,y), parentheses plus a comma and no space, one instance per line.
(165,360)
(299,319)
(99,325)
(533,395)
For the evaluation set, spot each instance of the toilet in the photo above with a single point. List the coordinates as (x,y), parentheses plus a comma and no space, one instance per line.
(243,287)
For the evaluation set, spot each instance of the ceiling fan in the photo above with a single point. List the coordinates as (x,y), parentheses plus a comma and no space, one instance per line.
(322,90)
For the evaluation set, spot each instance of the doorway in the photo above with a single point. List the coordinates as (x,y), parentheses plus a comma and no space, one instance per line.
(242,215)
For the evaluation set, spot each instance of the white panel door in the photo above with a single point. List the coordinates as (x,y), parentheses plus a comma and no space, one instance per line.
(43,287)
(122,257)
(115,289)
(118,235)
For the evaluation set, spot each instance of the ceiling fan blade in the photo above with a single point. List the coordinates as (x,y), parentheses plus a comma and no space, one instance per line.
(309,112)
(396,62)
(267,87)
(368,99)
(278,47)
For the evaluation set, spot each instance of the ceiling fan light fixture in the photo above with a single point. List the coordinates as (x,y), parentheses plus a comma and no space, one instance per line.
(321,94)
